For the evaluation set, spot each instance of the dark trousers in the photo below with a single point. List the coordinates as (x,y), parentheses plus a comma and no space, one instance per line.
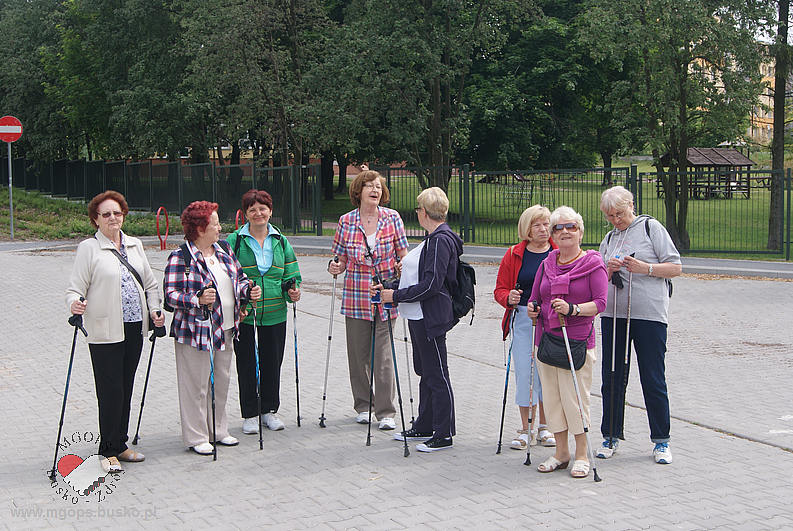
(649,341)
(272,339)
(436,400)
(114,375)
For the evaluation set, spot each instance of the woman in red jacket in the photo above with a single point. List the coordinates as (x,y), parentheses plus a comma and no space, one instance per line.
(513,287)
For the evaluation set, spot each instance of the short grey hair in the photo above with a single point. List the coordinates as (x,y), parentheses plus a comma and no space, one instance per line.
(434,202)
(565,212)
(616,198)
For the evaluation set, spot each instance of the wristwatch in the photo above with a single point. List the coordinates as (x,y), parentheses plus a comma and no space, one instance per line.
(577,309)
(650,272)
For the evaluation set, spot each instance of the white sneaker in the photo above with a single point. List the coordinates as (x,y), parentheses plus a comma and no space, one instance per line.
(362,418)
(205,448)
(662,454)
(250,425)
(229,440)
(272,421)
(387,423)
(604,452)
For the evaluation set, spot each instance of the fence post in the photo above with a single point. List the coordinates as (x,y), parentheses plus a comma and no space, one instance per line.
(293,175)
(466,205)
(212,176)
(151,187)
(179,185)
(472,219)
(317,198)
(788,182)
(634,187)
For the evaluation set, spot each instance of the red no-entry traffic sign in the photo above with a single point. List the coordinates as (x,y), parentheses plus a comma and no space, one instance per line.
(10,129)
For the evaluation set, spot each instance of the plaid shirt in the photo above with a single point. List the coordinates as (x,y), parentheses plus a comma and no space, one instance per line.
(350,241)
(181,286)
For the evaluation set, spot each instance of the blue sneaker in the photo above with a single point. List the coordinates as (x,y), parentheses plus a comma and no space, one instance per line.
(604,452)
(662,454)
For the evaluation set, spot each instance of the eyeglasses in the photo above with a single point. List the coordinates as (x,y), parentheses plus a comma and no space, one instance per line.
(416,210)
(372,186)
(115,213)
(571,227)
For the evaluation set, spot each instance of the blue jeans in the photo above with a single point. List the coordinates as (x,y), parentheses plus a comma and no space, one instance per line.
(522,345)
(649,342)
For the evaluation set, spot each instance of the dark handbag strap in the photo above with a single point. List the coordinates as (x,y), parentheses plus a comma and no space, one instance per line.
(129,267)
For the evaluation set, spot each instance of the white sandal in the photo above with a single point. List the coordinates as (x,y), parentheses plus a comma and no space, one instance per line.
(551,464)
(580,469)
(521,441)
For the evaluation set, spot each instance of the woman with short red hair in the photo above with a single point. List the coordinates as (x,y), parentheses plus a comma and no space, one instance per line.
(200,274)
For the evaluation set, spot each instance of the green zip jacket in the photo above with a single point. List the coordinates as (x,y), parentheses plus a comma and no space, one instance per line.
(271,308)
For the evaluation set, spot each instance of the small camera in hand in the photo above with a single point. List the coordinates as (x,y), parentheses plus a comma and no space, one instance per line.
(391,283)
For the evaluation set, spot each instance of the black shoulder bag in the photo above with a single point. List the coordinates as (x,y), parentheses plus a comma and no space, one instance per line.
(552,350)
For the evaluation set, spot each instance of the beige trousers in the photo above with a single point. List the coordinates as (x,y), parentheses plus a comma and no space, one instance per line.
(559,398)
(195,398)
(359,355)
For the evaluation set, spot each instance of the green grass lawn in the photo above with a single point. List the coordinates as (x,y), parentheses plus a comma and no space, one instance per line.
(737,225)
(735,228)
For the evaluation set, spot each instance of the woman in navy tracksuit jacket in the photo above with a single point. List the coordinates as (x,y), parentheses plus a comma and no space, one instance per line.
(429,274)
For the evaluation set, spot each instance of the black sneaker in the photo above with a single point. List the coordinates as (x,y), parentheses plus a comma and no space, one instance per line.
(413,435)
(435,444)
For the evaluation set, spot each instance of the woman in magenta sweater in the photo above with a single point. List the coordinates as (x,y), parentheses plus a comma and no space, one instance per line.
(570,283)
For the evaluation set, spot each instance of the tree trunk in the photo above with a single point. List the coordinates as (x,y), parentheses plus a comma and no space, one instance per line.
(782,60)
(607,176)
(326,173)
(343,161)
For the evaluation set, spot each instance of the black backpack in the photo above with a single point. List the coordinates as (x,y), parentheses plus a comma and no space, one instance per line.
(464,298)
(188,258)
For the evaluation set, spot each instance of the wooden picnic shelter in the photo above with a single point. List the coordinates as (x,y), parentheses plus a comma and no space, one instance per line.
(714,172)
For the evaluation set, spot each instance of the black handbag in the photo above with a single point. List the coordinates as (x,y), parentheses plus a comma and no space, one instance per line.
(552,351)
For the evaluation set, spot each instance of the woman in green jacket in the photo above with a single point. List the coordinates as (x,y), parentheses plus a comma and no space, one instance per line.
(269,261)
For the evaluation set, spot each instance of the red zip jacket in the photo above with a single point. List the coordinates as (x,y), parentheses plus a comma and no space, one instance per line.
(507,277)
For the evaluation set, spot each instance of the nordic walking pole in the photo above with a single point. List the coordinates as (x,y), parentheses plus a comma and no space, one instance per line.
(77,322)
(286,286)
(396,375)
(327,355)
(158,331)
(506,381)
(371,383)
(407,365)
(208,317)
(626,367)
(258,374)
(531,383)
(578,395)
(613,360)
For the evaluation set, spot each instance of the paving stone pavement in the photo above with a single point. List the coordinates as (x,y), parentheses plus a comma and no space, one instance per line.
(729,370)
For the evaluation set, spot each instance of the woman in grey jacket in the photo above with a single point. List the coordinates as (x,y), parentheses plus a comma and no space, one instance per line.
(116,310)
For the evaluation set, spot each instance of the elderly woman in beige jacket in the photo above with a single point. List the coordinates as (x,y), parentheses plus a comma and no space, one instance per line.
(116,304)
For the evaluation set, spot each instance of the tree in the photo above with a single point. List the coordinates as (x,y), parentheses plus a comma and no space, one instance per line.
(419,55)
(697,72)
(28,28)
(781,69)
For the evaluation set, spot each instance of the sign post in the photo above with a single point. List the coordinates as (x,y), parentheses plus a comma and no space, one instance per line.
(10,131)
